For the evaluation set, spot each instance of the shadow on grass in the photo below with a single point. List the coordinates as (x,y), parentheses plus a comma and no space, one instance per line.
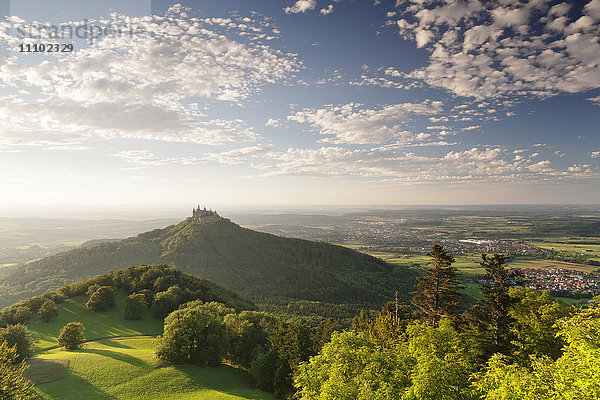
(224,379)
(72,387)
(46,370)
(117,356)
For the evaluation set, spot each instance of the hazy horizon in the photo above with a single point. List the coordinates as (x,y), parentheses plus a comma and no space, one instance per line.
(178,211)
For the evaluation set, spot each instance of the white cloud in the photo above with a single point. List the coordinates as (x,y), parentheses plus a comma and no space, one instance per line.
(328,10)
(44,123)
(496,49)
(559,9)
(145,85)
(475,164)
(382,82)
(351,123)
(422,37)
(506,16)
(595,154)
(241,155)
(235,156)
(593,9)
(147,158)
(595,100)
(392,163)
(273,122)
(301,6)
(541,166)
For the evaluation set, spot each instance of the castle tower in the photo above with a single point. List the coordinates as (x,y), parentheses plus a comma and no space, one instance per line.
(204,216)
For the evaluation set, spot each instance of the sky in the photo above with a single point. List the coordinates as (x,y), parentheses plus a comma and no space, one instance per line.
(307,102)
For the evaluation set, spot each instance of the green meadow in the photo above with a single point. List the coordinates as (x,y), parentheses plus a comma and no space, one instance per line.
(125,368)
(542,264)
(469,264)
(561,246)
(98,325)
(117,362)
(7,265)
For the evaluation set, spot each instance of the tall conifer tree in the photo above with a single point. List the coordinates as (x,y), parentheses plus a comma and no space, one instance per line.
(436,294)
(495,291)
(490,320)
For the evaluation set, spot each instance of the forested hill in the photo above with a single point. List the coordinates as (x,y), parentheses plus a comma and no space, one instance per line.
(239,259)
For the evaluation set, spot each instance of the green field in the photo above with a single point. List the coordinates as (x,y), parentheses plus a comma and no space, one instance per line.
(125,369)
(469,264)
(98,325)
(559,246)
(541,264)
(7,265)
(472,290)
(590,251)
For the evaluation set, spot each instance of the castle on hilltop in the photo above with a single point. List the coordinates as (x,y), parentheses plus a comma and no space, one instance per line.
(205,216)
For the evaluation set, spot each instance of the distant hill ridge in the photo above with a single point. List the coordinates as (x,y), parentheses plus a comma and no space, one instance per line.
(242,260)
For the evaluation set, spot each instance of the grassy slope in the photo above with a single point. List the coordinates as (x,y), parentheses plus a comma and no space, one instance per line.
(123,366)
(98,325)
(125,369)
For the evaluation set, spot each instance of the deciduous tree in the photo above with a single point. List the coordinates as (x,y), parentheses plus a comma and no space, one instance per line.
(102,299)
(195,334)
(135,304)
(352,367)
(575,375)
(535,330)
(71,336)
(48,310)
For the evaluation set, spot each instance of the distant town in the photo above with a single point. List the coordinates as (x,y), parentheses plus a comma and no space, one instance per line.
(560,280)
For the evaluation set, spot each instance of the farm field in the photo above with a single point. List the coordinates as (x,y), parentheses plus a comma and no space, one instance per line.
(7,265)
(469,264)
(542,264)
(124,368)
(576,247)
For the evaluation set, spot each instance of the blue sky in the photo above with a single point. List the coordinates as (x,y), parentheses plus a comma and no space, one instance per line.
(302,102)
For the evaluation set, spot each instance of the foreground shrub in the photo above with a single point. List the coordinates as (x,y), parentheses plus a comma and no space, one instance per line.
(431,363)
(17,336)
(575,375)
(12,383)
